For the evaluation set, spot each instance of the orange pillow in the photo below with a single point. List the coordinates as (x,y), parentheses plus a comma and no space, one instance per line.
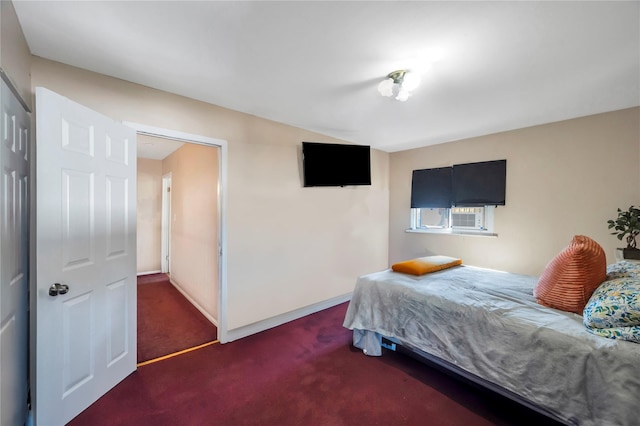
(424,265)
(572,276)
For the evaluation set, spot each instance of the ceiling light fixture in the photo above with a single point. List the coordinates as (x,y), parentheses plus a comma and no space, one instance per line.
(400,82)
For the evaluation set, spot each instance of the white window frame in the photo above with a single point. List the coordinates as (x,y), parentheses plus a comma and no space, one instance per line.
(486,230)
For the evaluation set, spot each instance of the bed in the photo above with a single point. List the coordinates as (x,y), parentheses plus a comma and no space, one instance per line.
(487,326)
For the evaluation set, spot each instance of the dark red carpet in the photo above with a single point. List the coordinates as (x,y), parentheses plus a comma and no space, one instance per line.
(167,322)
(302,373)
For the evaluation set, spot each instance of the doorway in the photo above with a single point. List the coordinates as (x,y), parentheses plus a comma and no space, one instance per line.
(178,244)
(218,314)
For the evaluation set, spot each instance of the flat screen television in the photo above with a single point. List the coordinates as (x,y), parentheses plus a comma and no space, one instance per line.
(330,164)
(479,184)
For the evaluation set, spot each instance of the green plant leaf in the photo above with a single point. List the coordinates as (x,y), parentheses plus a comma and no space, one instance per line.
(627,224)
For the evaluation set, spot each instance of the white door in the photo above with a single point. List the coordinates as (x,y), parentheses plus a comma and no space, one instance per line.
(14,277)
(85,242)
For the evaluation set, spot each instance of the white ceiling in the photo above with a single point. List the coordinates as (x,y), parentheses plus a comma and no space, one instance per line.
(155,148)
(316,65)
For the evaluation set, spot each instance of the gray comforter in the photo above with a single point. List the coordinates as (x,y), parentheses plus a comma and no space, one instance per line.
(489,324)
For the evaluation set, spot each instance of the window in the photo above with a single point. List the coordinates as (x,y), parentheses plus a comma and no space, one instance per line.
(455,219)
(459,199)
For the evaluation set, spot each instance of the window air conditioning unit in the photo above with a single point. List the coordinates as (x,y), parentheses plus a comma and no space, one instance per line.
(467,218)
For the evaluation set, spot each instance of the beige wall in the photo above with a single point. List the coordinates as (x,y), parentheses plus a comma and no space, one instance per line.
(149,215)
(15,57)
(563,179)
(288,246)
(194,223)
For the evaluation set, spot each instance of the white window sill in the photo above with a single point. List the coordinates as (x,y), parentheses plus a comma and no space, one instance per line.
(449,231)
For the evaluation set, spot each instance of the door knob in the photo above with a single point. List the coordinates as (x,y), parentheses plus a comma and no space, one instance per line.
(57,289)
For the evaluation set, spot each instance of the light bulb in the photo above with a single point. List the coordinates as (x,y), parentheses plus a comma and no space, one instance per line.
(411,81)
(403,94)
(386,87)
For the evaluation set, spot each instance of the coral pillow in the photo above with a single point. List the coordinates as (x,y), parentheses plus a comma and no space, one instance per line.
(572,276)
(424,265)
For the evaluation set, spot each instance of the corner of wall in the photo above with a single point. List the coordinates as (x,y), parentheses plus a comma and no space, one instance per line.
(15,56)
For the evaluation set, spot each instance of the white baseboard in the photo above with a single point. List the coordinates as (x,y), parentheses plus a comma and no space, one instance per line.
(148,272)
(194,303)
(256,327)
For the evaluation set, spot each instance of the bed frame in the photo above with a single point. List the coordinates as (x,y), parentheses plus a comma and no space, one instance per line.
(458,373)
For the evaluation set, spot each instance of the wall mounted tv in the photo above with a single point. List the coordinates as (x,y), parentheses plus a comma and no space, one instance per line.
(329,164)
(479,184)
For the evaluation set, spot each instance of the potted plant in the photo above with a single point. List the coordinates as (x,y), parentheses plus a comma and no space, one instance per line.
(627,225)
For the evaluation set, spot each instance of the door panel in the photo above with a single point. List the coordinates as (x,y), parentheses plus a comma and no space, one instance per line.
(85,221)
(117,317)
(14,277)
(77,217)
(77,331)
(117,226)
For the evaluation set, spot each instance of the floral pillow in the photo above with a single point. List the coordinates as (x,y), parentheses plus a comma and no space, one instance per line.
(623,269)
(631,334)
(613,310)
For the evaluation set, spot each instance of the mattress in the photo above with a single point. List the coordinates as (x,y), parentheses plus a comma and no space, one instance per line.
(488,323)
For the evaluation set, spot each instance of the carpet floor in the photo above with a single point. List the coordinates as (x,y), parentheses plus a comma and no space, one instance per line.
(167,321)
(305,372)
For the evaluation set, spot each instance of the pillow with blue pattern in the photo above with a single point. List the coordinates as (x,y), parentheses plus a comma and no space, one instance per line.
(613,311)
(622,269)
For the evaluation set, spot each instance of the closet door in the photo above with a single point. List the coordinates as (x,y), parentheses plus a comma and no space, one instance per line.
(14,258)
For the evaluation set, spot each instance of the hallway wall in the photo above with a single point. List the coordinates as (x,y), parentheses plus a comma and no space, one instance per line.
(149,215)
(194,224)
